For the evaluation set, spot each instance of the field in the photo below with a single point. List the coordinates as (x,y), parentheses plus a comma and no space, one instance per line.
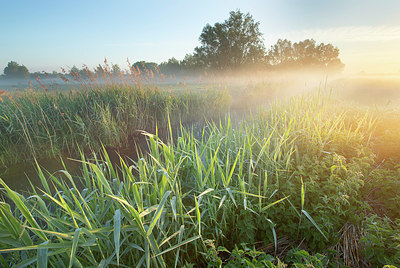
(239,176)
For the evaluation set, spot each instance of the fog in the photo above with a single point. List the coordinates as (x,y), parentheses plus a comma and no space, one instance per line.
(249,88)
(13,84)
(369,89)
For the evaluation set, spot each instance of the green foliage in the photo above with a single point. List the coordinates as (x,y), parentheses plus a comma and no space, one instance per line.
(247,257)
(302,169)
(381,241)
(47,123)
(250,257)
(382,190)
(145,66)
(235,42)
(304,54)
(303,259)
(14,70)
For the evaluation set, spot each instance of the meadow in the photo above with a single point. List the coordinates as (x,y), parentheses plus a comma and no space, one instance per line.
(41,123)
(310,180)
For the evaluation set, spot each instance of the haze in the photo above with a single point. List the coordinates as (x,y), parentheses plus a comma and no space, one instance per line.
(47,35)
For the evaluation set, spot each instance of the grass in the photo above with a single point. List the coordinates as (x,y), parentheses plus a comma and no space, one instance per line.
(52,123)
(299,169)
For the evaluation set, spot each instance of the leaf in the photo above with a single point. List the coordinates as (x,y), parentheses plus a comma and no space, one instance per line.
(313,222)
(62,245)
(179,241)
(101,177)
(42,177)
(117,232)
(205,192)
(17,199)
(232,170)
(74,246)
(179,245)
(274,203)
(302,194)
(173,206)
(222,201)
(157,215)
(42,256)
(272,225)
(198,214)
(231,196)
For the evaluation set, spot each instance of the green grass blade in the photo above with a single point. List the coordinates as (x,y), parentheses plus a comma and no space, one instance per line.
(42,256)
(302,194)
(24,210)
(313,222)
(179,245)
(198,216)
(74,247)
(117,232)
(157,215)
(274,203)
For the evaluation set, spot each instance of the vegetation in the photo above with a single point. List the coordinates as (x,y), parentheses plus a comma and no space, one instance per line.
(231,44)
(306,182)
(235,44)
(302,170)
(14,70)
(285,54)
(51,123)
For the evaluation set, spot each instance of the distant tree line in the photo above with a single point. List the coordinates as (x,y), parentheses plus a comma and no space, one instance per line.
(234,44)
(15,71)
(237,43)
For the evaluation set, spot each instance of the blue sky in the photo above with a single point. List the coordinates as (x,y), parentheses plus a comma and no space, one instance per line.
(47,35)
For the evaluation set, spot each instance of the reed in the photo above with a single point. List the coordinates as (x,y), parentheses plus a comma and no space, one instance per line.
(45,124)
(293,170)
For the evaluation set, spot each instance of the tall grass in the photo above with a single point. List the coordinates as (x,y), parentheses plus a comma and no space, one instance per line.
(42,124)
(234,184)
(157,212)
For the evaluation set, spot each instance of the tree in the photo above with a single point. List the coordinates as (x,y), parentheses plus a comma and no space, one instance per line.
(191,63)
(74,71)
(86,72)
(172,66)
(145,66)
(306,53)
(281,53)
(116,70)
(235,42)
(14,70)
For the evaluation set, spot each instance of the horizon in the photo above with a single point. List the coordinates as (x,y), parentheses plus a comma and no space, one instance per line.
(47,36)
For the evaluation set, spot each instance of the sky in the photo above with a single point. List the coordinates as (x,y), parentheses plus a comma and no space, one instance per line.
(48,35)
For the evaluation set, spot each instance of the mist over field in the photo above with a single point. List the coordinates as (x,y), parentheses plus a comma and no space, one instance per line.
(365,89)
(243,134)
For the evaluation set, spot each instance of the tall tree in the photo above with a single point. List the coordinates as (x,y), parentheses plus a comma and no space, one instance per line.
(281,53)
(235,42)
(191,63)
(14,70)
(172,66)
(306,53)
(144,66)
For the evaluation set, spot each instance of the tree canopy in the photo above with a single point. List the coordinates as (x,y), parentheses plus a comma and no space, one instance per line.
(238,42)
(235,42)
(307,53)
(14,70)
